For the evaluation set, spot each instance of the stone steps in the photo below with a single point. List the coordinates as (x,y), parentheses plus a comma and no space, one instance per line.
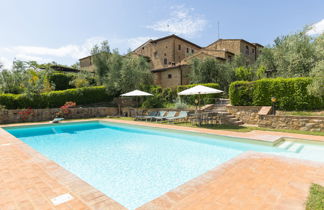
(291,146)
(225,117)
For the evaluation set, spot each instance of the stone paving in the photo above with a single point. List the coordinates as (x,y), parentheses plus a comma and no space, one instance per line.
(28,180)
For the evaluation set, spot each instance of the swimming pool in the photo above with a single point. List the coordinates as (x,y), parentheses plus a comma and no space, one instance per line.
(133,164)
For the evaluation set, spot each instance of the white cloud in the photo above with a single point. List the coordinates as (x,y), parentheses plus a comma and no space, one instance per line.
(181,21)
(74,51)
(5,62)
(32,58)
(316,28)
(69,53)
(130,43)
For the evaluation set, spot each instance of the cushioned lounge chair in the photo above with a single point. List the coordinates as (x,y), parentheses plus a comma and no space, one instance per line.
(182,115)
(168,115)
(57,120)
(148,116)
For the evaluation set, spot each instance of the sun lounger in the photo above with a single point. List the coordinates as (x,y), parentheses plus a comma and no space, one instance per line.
(57,120)
(168,115)
(148,116)
(182,115)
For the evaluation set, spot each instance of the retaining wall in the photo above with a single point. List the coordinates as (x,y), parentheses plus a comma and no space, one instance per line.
(13,116)
(249,115)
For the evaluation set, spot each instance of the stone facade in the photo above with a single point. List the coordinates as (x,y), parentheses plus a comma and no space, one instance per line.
(249,115)
(170,55)
(13,116)
(237,47)
(172,76)
(167,51)
(86,63)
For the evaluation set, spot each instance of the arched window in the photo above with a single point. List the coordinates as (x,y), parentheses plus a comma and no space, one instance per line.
(165,61)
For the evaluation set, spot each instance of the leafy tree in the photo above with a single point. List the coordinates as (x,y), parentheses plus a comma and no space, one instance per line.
(10,81)
(128,73)
(291,56)
(260,72)
(36,83)
(24,77)
(211,70)
(82,79)
(76,65)
(101,54)
(317,86)
(244,73)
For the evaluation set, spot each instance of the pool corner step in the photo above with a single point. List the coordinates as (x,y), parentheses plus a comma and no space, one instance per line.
(296,147)
(285,144)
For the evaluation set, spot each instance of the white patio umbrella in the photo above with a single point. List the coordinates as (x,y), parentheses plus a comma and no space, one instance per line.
(136,93)
(198,90)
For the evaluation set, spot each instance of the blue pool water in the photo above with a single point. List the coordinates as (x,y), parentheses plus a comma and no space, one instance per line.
(134,165)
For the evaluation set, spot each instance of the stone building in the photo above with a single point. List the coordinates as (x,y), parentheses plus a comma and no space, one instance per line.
(167,51)
(170,56)
(237,47)
(172,68)
(86,63)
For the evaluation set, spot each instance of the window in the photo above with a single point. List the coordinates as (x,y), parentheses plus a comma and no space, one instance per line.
(179,47)
(165,61)
(142,48)
(192,51)
(187,50)
(247,51)
(164,54)
(169,76)
(229,57)
(252,50)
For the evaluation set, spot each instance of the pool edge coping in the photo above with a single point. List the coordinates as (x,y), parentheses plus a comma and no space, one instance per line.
(218,169)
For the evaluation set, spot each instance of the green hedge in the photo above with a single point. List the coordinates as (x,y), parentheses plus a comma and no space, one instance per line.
(61,80)
(291,94)
(56,99)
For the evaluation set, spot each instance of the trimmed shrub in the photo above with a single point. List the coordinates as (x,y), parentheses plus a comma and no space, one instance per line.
(291,94)
(55,99)
(61,80)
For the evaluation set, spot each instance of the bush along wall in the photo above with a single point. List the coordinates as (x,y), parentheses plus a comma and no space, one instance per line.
(291,94)
(56,99)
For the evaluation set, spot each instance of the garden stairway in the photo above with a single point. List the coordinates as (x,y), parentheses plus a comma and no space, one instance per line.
(220,108)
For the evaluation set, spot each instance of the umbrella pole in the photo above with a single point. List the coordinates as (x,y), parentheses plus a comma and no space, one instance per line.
(199,111)
(136,113)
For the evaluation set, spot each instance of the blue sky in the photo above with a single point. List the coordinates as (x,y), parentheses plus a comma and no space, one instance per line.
(65,30)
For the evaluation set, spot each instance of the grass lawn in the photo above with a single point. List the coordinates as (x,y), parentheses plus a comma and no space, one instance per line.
(241,128)
(315,199)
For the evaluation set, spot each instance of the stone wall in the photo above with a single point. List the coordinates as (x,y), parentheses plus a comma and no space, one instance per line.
(13,116)
(249,115)
(304,123)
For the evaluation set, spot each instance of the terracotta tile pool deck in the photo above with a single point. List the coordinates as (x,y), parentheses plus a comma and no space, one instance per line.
(28,180)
